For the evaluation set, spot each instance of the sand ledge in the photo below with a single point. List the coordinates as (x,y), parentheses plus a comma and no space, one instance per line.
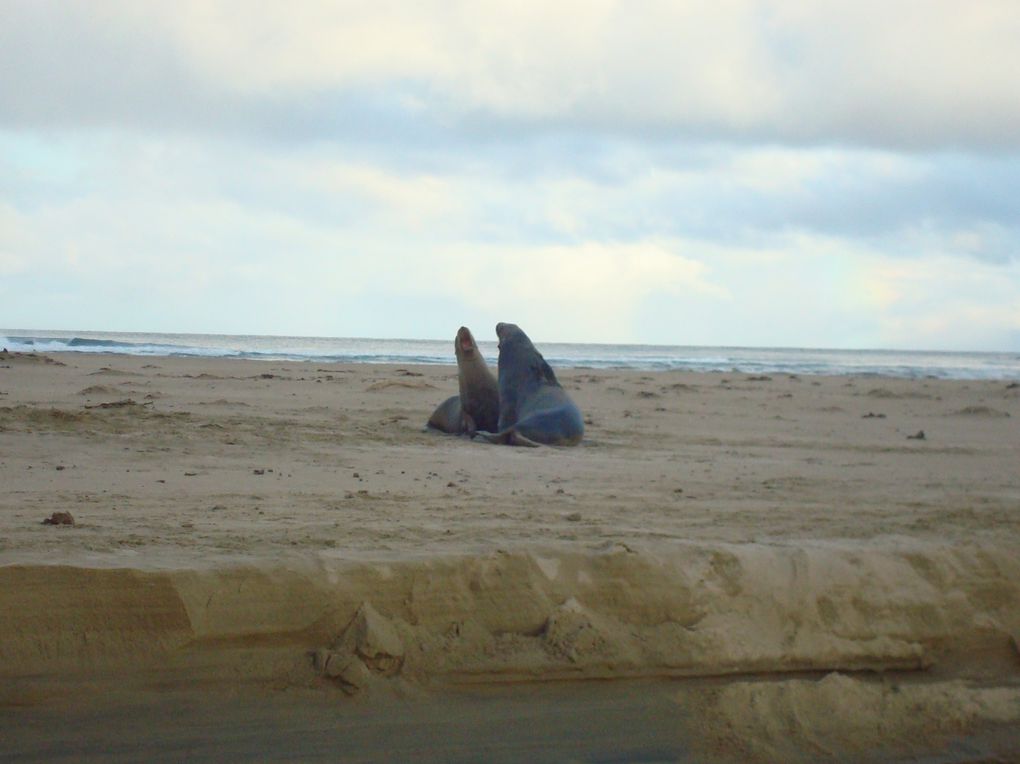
(703,611)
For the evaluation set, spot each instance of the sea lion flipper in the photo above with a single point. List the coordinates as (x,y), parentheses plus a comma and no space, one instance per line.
(508,437)
(498,438)
(516,439)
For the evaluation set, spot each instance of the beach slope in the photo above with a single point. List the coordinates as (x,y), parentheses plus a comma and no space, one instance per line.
(757,567)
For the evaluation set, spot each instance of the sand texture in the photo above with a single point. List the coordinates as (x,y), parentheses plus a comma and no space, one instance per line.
(780,568)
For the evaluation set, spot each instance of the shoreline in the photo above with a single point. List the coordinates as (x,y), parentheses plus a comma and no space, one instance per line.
(292,525)
(877,362)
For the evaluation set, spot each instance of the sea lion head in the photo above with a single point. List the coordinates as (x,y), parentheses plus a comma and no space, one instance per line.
(504,330)
(464,345)
(518,357)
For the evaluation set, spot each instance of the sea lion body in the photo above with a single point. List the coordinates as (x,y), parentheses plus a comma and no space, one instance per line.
(533,408)
(448,416)
(476,407)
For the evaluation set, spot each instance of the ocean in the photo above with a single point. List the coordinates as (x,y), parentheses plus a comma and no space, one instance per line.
(894,363)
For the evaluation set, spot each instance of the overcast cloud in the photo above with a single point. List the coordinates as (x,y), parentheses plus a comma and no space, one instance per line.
(784,173)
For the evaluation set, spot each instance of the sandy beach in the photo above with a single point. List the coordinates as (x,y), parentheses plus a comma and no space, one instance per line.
(728,568)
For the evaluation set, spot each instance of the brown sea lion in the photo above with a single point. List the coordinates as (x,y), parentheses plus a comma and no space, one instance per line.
(476,407)
(533,408)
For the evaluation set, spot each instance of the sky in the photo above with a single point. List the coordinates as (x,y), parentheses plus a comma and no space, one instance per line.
(797,174)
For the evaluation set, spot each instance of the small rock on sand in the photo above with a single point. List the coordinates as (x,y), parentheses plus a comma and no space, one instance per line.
(59,518)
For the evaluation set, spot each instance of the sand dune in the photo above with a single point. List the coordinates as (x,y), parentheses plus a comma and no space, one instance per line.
(781,550)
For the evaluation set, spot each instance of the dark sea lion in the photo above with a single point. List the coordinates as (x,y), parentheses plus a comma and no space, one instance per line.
(476,407)
(533,407)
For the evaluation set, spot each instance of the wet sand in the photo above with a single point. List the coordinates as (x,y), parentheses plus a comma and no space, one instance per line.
(753,565)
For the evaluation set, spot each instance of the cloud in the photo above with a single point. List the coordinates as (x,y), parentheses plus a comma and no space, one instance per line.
(586,290)
(916,75)
(154,253)
(948,303)
(418,200)
(734,173)
(725,245)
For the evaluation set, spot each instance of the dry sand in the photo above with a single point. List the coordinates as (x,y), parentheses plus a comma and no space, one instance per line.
(766,568)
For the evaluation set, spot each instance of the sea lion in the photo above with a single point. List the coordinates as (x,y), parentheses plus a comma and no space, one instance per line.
(533,408)
(476,407)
